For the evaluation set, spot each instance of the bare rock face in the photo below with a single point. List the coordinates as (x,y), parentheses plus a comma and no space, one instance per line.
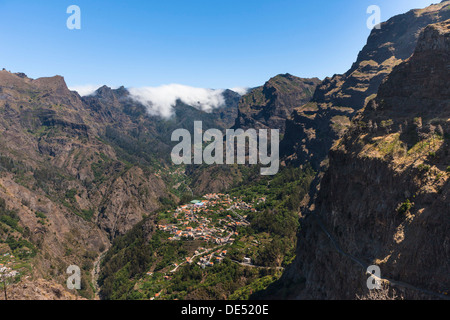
(265,107)
(385,197)
(39,290)
(269,106)
(216,178)
(129,198)
(424,77)
(314,128)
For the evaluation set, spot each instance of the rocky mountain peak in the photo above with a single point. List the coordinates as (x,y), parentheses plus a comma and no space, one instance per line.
(268,106)
(436,38)
(316,126)
(417,85)
(51,83)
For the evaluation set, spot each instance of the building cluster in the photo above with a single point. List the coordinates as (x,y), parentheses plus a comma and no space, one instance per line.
(213,258)
(195,220)
(5,270)
(215,196)
(198,220)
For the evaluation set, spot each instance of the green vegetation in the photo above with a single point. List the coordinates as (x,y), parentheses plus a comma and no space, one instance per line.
(136,148)
(130,258)
(87,214)
(391,145)
(19,251)
(405,207)
(140,264)
(216,282)
(9,222)
(424,167)
(40,215)
(261,284)
(386,123)
(70,195)
(9,217)
(13,166)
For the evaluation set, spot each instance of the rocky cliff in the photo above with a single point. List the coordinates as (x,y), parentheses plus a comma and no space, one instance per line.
(385,198)
(314,127)
(269,106)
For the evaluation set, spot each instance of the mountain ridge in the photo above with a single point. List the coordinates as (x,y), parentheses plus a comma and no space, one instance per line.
(384,197)
(76,172)
(314,127)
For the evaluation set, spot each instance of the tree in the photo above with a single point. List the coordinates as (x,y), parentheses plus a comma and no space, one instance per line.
(431,132)
(4,280)
(418,123)
(439,130)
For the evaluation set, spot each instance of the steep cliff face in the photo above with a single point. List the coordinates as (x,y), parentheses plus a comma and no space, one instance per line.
(385,197)
(34,172)
(226,116)
(269,106)
(313,128)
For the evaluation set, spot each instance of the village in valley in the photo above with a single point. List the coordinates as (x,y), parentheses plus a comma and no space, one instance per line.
(225,246)
(210,227)
(214,220)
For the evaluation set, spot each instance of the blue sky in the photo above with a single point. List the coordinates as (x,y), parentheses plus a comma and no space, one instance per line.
(210,44)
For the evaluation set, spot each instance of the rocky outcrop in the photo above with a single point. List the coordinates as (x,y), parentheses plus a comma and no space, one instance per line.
(39,290)
(131,196)
(226,115)
(269,106)
(385,198)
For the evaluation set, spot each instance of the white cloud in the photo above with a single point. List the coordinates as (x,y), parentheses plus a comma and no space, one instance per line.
(85,90)
(241,90)
(161,100)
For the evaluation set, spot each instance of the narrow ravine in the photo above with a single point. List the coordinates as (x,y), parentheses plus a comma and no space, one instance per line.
(95,272)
